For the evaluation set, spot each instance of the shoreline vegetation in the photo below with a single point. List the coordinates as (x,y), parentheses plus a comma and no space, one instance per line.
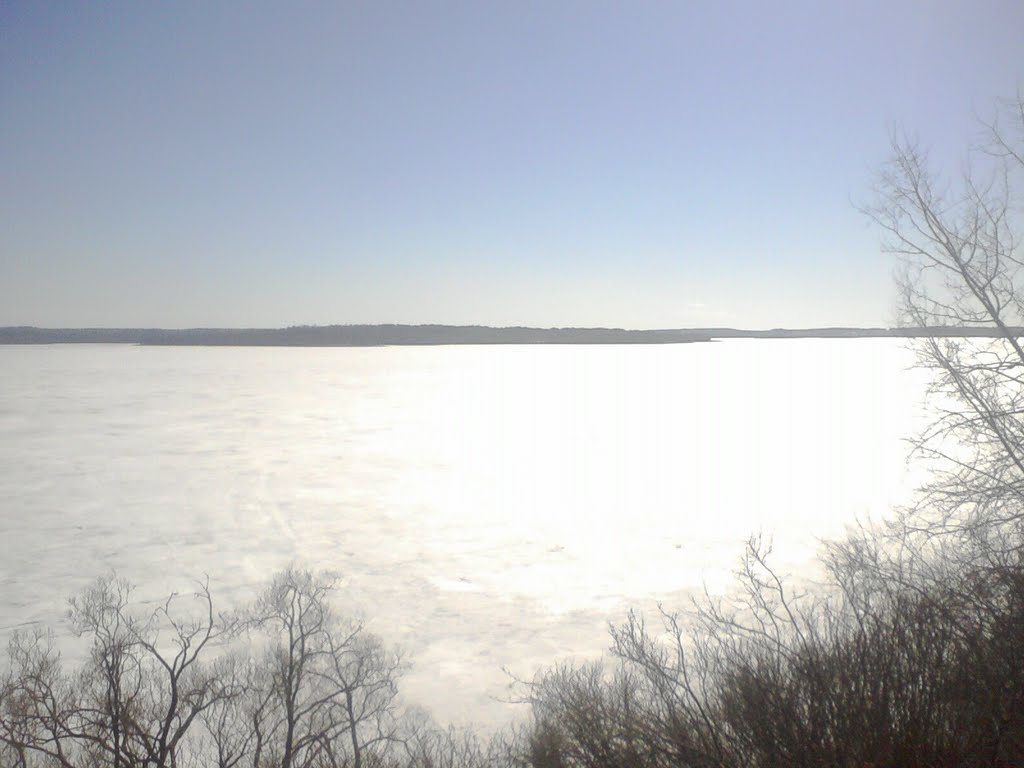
(437,335)
(879,667)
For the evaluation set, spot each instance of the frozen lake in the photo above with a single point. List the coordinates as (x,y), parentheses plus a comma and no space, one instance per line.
(484,506)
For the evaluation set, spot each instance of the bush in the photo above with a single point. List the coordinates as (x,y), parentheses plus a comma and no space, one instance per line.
(875,671)
(286,683)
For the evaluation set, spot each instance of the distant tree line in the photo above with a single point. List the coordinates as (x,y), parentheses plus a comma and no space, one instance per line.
(345,336)
(434,335)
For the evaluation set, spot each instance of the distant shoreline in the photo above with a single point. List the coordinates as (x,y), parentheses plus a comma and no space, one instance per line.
(436,335)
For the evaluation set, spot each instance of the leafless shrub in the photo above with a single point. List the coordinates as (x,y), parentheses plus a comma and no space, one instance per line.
(865,672)
(287,683)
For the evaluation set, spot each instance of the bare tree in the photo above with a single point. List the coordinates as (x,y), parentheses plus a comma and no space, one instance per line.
(290,685)
(136,699)
(328,696)
(958,245)
(232,723)
(36,704)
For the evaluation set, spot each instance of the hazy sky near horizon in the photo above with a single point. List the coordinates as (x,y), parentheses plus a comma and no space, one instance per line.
(540,163)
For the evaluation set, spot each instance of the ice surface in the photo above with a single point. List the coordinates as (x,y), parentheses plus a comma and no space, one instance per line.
(484,506)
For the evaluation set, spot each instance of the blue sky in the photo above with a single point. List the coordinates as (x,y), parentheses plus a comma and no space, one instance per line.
(577,163)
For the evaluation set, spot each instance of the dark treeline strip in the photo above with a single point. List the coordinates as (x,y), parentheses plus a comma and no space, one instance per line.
(346,336)
(413,335)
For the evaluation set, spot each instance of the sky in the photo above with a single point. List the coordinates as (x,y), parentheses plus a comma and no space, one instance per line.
(638,165)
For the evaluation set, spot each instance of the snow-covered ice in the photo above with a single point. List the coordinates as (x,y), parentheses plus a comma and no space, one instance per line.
(484,507)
